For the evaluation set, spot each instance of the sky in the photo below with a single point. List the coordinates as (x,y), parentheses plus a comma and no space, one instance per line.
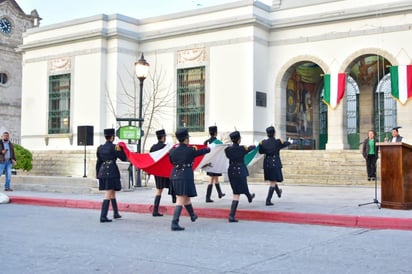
(56,11)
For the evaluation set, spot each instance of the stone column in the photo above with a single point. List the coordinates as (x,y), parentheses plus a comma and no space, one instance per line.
(337,133)
(404,118)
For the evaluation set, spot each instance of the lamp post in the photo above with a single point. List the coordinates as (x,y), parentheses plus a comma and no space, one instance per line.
(141,70)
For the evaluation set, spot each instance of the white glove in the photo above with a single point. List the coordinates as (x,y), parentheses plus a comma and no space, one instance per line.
(290,140)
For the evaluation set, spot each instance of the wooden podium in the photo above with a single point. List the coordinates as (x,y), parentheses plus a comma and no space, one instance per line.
(396,173)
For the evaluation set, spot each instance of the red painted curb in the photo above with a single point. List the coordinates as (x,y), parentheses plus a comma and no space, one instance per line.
(249,215)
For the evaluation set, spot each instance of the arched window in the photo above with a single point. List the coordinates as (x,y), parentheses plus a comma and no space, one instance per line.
(385,108)
(352,118)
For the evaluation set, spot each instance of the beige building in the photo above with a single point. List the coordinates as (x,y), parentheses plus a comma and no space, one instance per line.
(13,23)
(242,65)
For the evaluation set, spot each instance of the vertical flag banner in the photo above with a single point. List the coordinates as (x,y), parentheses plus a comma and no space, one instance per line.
(401,82)
(334,86)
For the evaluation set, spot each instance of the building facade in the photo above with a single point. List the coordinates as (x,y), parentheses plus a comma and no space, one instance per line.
(13,23)
(242,65)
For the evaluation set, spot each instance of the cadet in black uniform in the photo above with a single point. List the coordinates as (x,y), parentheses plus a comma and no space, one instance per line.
(108,173)
(182,177)
(238,172)
(161,182)
(214,177)
(272,165)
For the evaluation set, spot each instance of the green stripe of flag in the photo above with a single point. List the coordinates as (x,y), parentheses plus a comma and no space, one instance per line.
(394,81)
(249,157)
(327,88)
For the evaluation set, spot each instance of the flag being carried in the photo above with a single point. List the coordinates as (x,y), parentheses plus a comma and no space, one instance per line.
(401,82)
(158,164)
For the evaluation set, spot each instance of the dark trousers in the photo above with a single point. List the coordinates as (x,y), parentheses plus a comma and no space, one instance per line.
(371,165)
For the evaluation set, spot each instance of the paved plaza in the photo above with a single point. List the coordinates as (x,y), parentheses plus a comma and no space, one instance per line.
(311,229)
(39,239)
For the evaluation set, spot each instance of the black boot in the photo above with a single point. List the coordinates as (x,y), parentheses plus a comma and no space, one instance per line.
(208,193)
(250,197)
(172,193)
(278,191)
(233,212)
(175,220)
(192,214)
(156,207)
(219,191)
(116,214)
(269,197)
(105,209)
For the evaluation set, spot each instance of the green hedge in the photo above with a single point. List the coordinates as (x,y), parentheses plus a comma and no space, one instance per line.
(24,158)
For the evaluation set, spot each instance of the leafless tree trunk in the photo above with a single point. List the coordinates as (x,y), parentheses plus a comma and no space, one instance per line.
(157,100)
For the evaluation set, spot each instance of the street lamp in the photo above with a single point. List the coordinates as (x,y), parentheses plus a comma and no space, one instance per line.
(141,70)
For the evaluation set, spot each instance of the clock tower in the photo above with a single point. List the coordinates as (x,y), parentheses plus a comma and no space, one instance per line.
(13,23)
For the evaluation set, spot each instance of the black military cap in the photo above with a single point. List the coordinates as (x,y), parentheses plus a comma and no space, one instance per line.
(182,134)
(234,136)
(160,133)
(109,132)
(396,128)
(212,130)
(270,130)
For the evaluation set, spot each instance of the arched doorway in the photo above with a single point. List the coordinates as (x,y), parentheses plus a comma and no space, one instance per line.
(303,104)
(369,103)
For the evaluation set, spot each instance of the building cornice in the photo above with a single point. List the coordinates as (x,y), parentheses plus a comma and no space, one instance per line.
(257,16)
(342,15)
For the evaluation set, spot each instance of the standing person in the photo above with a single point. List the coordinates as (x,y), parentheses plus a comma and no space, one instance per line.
(7,159)
(108,173)
(161,182)
(272,165)
(182,177)
(238,172)
(396,138)
(370,153)
(214,177)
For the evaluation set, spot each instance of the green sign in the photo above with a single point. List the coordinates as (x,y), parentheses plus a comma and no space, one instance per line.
(129,132)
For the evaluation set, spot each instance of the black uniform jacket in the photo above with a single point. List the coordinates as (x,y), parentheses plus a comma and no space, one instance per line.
(107,155)
(182,157)
(158,146)
(271,148)
(161,182)
(236,155)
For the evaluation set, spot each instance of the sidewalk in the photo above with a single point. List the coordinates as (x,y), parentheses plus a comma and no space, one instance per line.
(319,205)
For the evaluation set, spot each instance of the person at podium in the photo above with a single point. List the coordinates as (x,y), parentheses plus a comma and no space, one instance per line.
(370,153)
(396,138)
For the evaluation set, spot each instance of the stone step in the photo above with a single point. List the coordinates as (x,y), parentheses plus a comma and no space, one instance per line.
(345,167)
(63,171)
(75,185)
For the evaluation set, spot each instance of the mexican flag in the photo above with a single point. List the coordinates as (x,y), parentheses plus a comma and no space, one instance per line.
(217,162)
(401,82)
(157,163)
(334,88)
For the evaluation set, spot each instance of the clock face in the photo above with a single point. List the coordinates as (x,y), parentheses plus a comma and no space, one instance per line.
(5,25)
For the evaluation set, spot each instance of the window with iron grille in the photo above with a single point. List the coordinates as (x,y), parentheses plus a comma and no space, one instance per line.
(59,104)
(191,99)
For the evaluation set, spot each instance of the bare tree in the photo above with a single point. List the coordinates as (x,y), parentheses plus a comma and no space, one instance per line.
(157,100)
